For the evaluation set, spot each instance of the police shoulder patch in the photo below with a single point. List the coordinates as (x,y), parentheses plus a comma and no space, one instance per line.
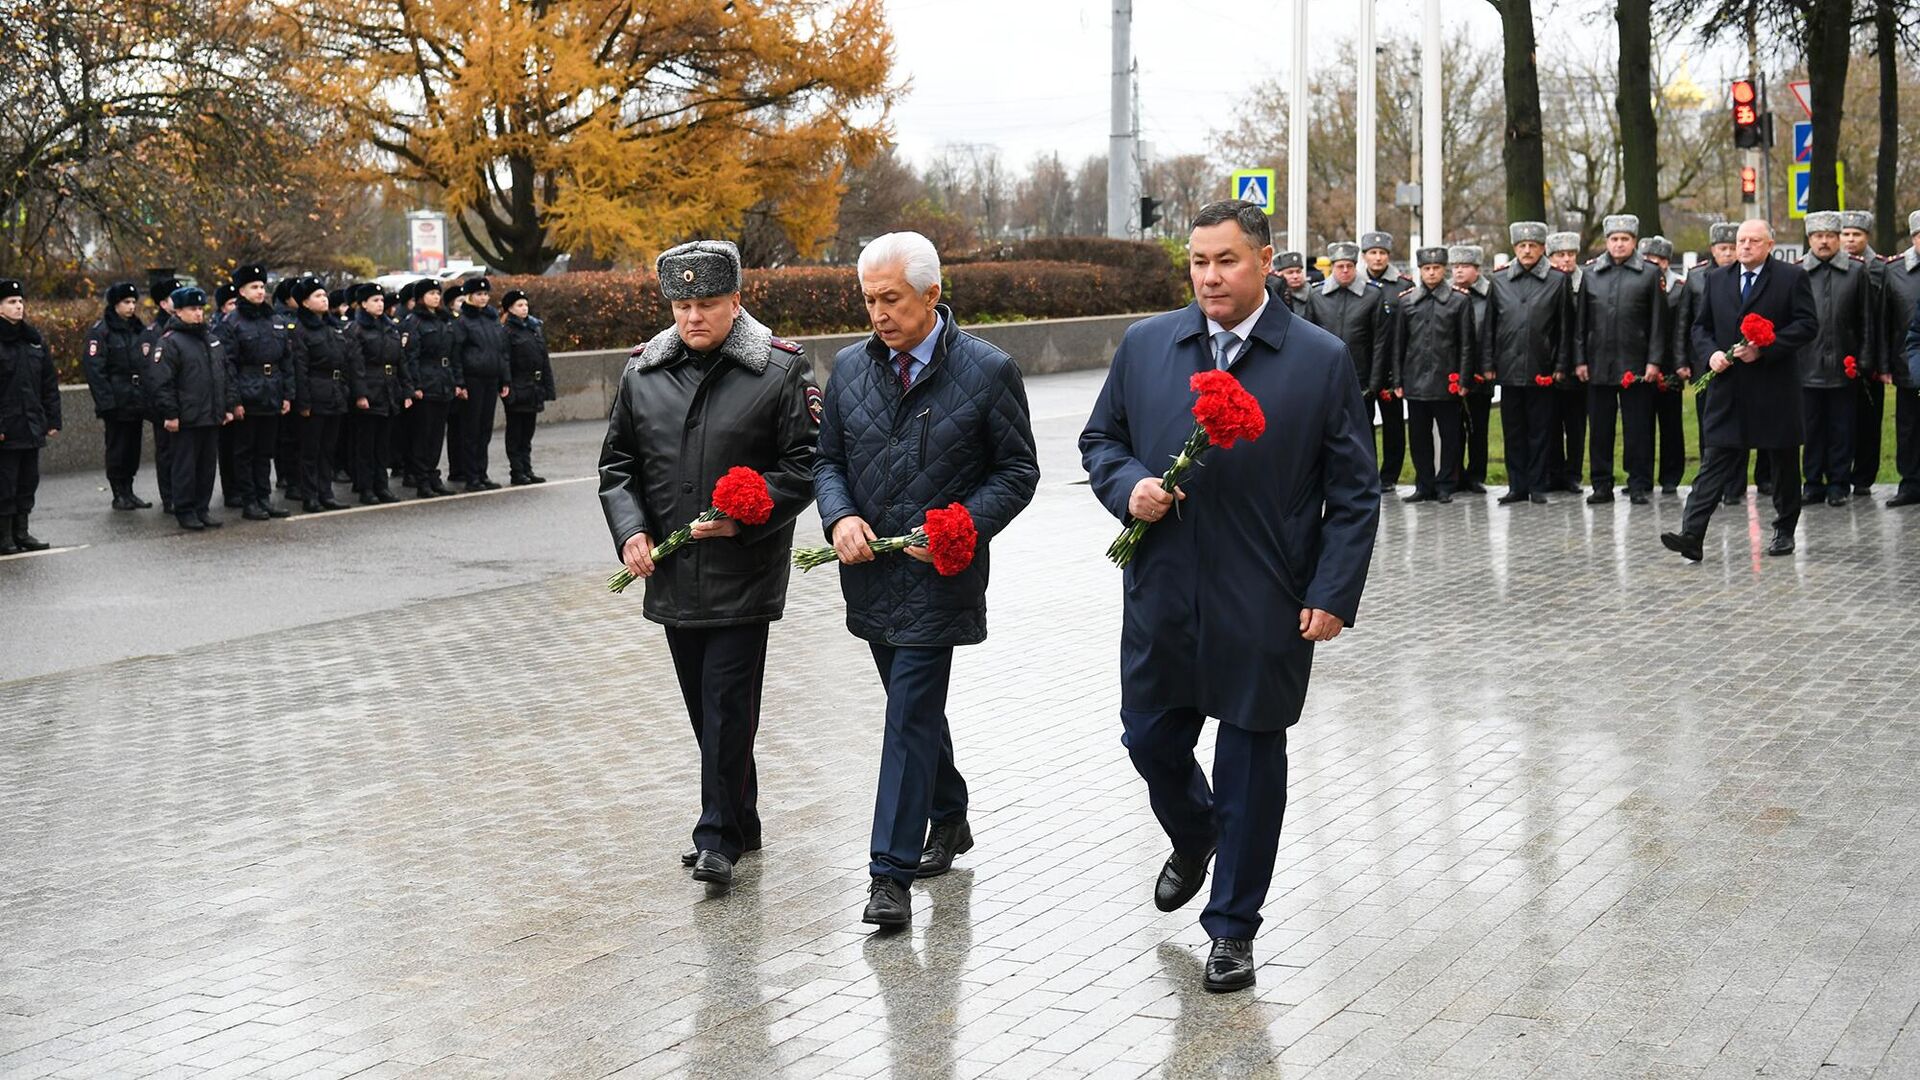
(816,404)
(787,346)
(93,346)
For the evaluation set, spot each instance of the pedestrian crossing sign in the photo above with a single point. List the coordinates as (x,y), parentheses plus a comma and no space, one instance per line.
(1254,186)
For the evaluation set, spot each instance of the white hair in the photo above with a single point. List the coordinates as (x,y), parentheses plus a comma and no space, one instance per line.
(910,251)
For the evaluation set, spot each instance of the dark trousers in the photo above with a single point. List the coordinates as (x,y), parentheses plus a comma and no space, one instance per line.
(429,431)
(1240,814)
(123,452)
(318,434)
(1634,408)
(1906,438)
(340,454)
(232,490)
(721,671)
(520,442)
(1527,430)
(400,442)
(1479,415)
(255,440)
(19,480)
(1567,447)
(457,440)
(1393,440)
(919,782)
(370,451)
(1423,417)
(1671,436)
(1829,461)
(1870,410)
(483,397)
(196,454)
(288,469)
(1719,464)
(163,464)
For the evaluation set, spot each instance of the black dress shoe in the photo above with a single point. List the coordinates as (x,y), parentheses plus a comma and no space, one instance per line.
(424,492)
(1782,543)
(275,511)
(438,487)
(122,502)
(254,512)
(341,476)
(1537,499)
(190,523)
(1229,965)
(1690,546)
(1444,497)
(1764,489)
(474,485)
(690,856)
(1732,500)
(888,903)
(714,868)
(1600,498)
(1417,497)
(312,506)
(532,479)
(386,497)
(1570,488)
(1669,489)
(233,502)
(1639,498)
(945,840)
(138,502)
(1837,500)
(1180,880)
(1813,496)
(367,499)
(209,521)
(1510,498)
(1474,487)
(1904,498)
(490,485)
(1863,491)
(331,503)
(518,481)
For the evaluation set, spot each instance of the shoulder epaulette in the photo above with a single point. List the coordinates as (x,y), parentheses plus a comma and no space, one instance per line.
(787,346)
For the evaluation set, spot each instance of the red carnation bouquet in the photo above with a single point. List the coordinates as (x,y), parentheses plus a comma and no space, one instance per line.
(1543,381)
(741,495)
(1627,381)
(1224,414)
(1453,383)
(948,535)
(1755,330)
(1853,368)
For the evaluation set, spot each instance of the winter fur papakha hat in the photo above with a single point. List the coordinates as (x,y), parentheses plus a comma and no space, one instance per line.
(697,270)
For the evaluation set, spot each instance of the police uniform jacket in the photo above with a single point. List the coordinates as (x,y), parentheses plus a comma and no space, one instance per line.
(113,367)
(29,389)
(1696,295)
(1432,339)
(1681,304)
(1840,296)
(481,345)
(1532,322)
(376,364)
(680,421)
(192,376)
(432,356)
(1899,304)
(321,366)
(1357,315)
(1623,320)
(1479,298)
(530,372)
(260,340)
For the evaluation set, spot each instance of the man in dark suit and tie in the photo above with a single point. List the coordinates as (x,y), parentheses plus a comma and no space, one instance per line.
(1226,599)
(1753,401)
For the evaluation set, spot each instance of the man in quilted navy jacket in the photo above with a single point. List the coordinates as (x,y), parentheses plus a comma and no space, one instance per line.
(917,416)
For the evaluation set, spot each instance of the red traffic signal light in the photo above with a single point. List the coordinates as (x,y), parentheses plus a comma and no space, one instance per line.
(1743,93)
(1749,183)
(1748,132)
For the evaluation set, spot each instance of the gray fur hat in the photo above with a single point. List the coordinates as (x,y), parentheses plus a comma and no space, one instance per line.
(1620,223)
(1430,256)
(1465,255)
(1288,260)
(1723,232)
(1857,219)
(1381,240)
(1563,241)
(1521,232)
(1823,221)
(1343,249)
(1913,223)
(1657,246)
(697,270)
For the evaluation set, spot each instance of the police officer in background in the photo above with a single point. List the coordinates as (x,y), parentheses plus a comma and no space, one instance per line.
(400,308)
(1532,329)
(1670,441)
(29,416)
(1376,253)
(453,301)
(1869,418)
(1433,358)
(233,493)
(321,372)
(1377,249)
(161,292)
(195,399)
(113,368)
(1568,447)
(377,377)
(1465,261)
(1288,282)
(288,476)
(1622,349)
(529,385)
(1899,304)
(259,340)
(431,362)
(1828,393)
(482,344)
(1355,311)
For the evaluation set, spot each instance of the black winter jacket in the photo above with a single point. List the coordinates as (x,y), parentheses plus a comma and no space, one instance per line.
(481,344)
(1432,339)
(672,435)
(1623,320)
(1532,323)
(1357,315)
(432,359)
(114,368)
(962,434)
(193,379)
(260,343)
(376,364)
(1840,292)
(1899,305)
(322,369)
(530,371)
(29,389)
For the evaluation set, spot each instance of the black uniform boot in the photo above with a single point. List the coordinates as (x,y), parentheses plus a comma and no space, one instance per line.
(24,539)
(122,497)
(7,546)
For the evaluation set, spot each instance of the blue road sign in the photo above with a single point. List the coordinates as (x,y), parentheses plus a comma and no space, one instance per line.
(1803,140)
(1802,183)
(1254,186)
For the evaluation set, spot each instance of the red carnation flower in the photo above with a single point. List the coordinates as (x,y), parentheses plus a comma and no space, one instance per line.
(1626,381)
(1757,329)
(742,496)
(1386,395)
(1853,368)
(950,538)
(1543,380)
(1225,410)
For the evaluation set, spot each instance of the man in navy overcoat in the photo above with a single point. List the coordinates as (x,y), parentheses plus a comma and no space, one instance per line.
(1263,553)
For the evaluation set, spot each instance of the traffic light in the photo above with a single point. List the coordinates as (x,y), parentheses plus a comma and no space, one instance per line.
(1149,212)
(1748,132)
(1749,184)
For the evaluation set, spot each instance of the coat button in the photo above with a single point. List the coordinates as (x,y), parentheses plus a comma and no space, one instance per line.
(692,422)
(686,486)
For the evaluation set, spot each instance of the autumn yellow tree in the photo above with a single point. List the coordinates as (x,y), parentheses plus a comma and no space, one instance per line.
(616,125)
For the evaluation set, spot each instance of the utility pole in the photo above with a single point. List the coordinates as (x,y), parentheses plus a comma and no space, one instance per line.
(1366,109)
(1762,155)
(1122,176)
(1431,226)
(1297,135)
